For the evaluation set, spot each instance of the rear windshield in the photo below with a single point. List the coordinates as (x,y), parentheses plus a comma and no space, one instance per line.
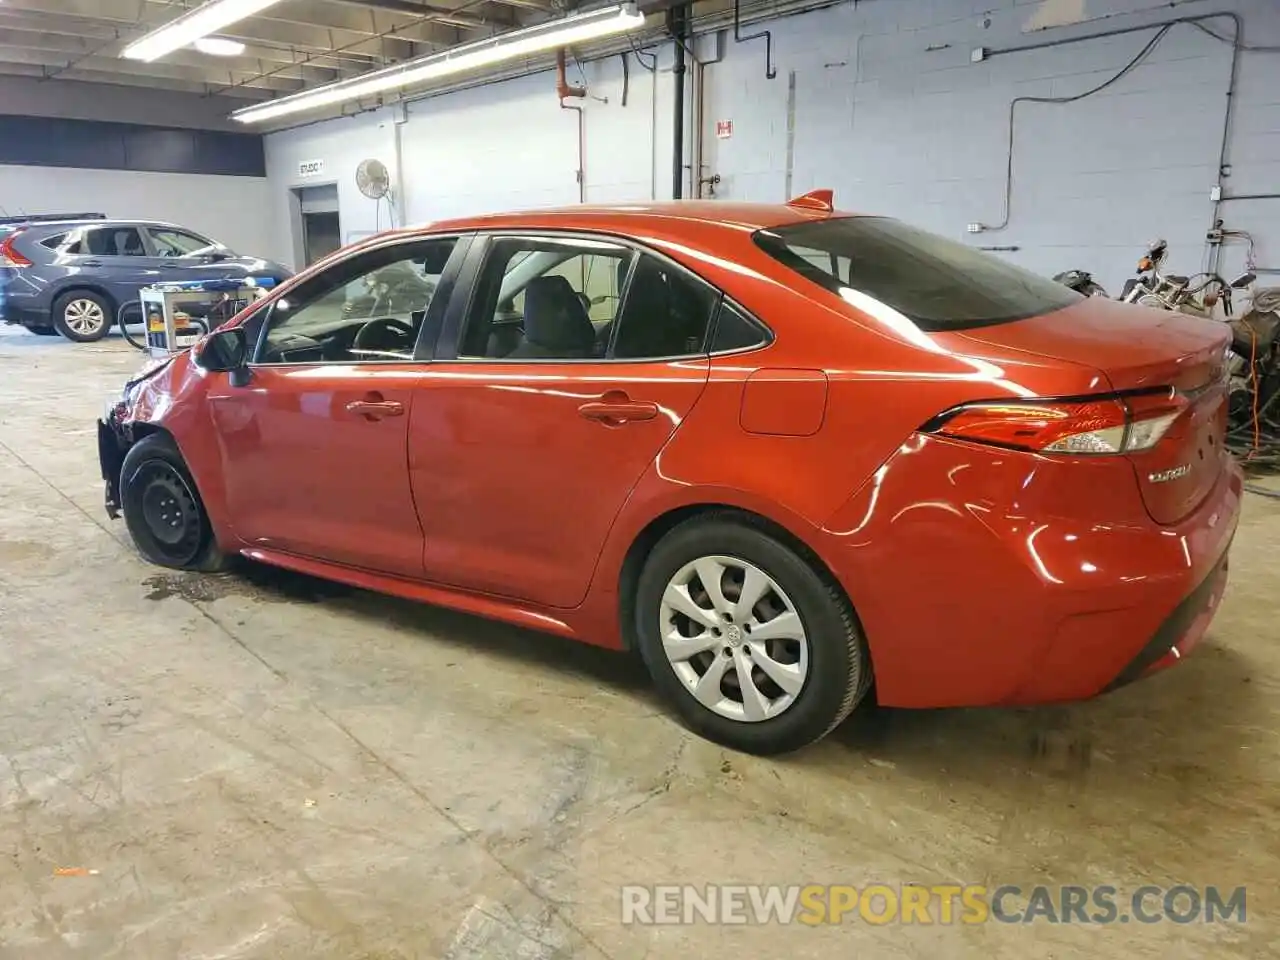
(939,284)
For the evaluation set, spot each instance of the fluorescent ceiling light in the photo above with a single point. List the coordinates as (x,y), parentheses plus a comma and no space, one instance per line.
(203,20)
(460,59)
(219,46)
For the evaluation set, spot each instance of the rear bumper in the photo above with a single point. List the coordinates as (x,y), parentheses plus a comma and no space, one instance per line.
(982,579)
(14,313)
(1180,632)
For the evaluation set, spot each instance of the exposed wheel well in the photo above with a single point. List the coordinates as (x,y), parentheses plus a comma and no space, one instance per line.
(657,528)
(140,429)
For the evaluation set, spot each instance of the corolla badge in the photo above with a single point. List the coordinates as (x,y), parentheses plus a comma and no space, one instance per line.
(1175,473)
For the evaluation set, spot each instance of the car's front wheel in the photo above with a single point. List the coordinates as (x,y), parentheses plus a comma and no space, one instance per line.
(163,510)
(755,646)
(82,316)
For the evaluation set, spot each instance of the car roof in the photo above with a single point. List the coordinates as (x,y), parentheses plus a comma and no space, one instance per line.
(729,214)
(71,224)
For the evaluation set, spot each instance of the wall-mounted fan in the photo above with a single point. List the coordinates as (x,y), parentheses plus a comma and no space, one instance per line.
(372,179)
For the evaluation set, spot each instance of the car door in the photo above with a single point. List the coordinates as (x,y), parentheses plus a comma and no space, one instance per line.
(314,446)
(114,257)
(172,249)
(523,450)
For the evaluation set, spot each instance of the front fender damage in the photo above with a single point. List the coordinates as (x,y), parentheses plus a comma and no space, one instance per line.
(116,427)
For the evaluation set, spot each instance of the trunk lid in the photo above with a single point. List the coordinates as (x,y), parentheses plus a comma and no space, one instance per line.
(1136,349)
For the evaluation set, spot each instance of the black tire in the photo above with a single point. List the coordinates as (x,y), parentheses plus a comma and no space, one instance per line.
(71,310)
(43,331)
(163,510)
(839,666)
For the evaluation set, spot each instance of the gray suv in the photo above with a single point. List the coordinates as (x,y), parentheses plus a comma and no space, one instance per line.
(73,276)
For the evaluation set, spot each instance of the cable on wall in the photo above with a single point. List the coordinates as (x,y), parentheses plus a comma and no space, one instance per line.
(1237,44)
(1013,107)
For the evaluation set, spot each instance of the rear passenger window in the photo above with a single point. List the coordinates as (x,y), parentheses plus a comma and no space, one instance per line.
(666,313)
(113,242)
(53,242)
(545,298)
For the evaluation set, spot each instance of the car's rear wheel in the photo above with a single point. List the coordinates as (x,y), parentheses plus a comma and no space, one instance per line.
(163,510)
(82,316)
(755,646)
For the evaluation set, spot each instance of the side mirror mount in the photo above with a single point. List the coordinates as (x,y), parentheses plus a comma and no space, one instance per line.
(224,351)
(1244,280)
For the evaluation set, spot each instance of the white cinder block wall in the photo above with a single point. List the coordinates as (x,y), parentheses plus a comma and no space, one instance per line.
(888,110)
(503,146)
(891,113)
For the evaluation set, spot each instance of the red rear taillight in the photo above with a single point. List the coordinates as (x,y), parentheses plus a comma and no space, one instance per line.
(9,257)
(1102,425)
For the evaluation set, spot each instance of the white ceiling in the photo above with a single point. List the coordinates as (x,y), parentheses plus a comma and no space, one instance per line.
(294,44)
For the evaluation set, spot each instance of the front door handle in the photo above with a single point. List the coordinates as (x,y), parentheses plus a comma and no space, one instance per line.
(618,411)
(376,409)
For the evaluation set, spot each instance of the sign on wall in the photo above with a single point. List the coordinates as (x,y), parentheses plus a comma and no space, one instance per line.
(310,168)
(724,129)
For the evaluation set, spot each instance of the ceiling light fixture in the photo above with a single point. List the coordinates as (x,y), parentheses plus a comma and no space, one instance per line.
(511,45)
(203,20)
(219,46)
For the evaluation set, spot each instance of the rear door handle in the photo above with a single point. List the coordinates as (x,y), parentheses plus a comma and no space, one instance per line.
(618,411)
(90,263)
(376,409)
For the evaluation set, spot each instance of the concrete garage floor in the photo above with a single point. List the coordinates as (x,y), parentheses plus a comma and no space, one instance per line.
(261,765)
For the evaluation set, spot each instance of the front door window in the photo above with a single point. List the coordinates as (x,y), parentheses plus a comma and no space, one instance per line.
(368,309)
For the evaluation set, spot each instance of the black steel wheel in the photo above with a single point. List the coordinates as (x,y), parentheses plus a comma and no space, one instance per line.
(162,508)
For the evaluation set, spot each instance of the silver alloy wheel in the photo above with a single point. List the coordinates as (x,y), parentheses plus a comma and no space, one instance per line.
(734,638)
(85,317)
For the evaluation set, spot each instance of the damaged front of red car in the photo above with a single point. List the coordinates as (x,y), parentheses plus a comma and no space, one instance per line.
(163,401)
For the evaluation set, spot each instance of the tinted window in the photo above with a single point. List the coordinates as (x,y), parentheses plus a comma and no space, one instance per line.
(53,242)
(665,314)
(735,331)
(113,242)
(938,283)
(541,298)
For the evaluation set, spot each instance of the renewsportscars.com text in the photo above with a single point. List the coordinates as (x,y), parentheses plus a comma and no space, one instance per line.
(881,904)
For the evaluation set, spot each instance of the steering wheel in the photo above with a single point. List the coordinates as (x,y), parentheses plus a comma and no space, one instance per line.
(364,338)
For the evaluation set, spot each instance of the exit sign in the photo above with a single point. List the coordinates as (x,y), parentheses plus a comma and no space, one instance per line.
(724,129)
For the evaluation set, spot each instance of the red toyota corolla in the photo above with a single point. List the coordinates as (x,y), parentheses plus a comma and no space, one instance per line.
(777,449)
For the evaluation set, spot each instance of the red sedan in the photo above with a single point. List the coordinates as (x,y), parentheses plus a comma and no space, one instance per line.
(779,450)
